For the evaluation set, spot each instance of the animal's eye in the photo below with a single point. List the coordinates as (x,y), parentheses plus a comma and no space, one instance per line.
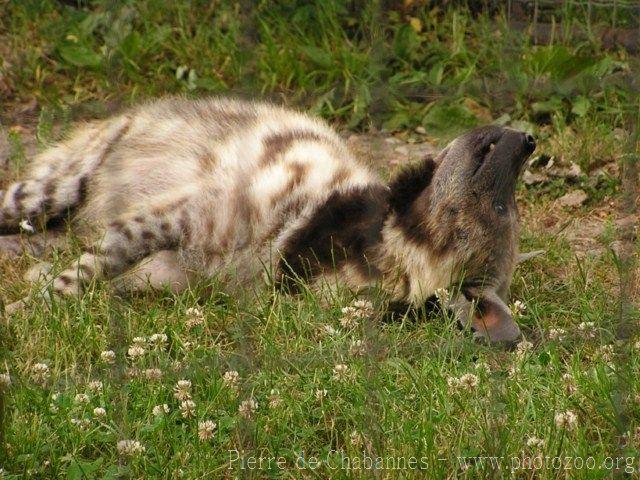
(500,208)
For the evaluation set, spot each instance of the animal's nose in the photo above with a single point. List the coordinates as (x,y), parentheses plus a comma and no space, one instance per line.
(530,142)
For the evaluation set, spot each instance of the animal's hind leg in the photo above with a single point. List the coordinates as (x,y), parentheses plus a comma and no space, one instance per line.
(58,177)
(162,270)
(36,245)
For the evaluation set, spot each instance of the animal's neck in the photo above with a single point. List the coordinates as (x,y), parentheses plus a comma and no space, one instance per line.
(409,269)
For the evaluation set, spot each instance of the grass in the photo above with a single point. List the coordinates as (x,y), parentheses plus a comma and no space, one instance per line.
(360,66)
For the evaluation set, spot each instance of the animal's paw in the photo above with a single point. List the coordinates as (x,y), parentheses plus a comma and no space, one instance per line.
(15,307)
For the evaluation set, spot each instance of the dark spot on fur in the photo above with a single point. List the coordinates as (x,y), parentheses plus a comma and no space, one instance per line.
(185,227)
(207,161)
(127,233)
(410,183)
(278,143)
(165,227)
(82,189)
(116,225)
(86,270)
(339,176)
(147,235)
(138,219)
(65,279)
(344,228)
(50,189)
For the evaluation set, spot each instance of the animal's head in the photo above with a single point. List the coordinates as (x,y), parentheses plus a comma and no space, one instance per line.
(462,205)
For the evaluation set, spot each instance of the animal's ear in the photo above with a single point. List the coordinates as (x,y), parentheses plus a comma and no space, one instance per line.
(409,183)
(491,318)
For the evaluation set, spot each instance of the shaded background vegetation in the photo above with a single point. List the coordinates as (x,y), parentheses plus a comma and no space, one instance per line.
(443,65)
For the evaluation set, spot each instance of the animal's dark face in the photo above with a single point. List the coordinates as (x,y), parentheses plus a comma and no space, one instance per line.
(479,171)
(461,206)
(474,187)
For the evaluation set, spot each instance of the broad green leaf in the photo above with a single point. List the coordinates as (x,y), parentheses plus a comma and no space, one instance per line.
(318,56)
(581,106)
(79,55)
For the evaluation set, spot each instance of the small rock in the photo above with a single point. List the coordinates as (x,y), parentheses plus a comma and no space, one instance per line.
(574,171)
(630,220)
(573,199)
(402,150)
(530,178)
(421,130)
(391,140)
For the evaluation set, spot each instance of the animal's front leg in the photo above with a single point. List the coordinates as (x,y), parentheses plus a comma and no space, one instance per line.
(126,241)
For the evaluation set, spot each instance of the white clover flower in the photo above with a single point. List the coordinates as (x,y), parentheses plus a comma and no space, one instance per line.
(483,367)
(248,407)
(350,317)
(606,352)
(569,383)
(182,390)
(158,339)
(518,308)
(588,329)
(188,408)
(40,373)
(140,341)
(341,372)
(364,306)
(357,348)
(99,412)
(206,429)
(5,381)
(453,382)
(81,423)
(274,398)
(194,312)
(469,381)
(160,410)
(130,448)
(535,442)
(320,393)
(136,351)
(81,398)
(329,330)
(231,378)
(358,310)
(108,357)
(442,295)
(523,348)
(195,317)
(95,386)
(558,334)
(153,374)
(566,420)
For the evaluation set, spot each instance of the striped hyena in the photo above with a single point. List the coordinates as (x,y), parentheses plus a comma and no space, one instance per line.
(178,188)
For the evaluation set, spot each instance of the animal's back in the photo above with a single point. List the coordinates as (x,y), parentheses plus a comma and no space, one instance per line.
(256,170)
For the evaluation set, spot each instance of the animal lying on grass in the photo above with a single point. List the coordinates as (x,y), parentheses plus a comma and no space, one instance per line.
(178,188)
